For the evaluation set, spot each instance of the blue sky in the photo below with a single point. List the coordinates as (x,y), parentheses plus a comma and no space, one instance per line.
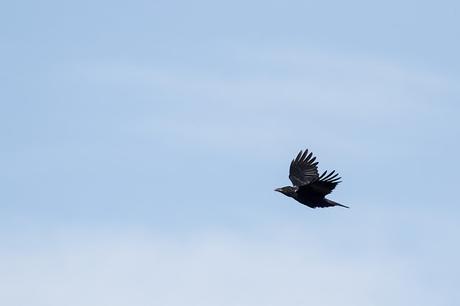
(142,142)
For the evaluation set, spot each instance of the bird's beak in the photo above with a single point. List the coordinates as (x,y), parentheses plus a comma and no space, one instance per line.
(278,189)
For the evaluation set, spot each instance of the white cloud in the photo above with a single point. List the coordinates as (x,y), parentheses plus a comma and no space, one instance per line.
(262,99)
(218,269)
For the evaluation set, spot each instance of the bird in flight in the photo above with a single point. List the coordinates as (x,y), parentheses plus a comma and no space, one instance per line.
(310,188)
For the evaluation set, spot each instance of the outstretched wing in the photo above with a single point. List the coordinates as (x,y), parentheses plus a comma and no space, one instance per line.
(303,169)
(323,185)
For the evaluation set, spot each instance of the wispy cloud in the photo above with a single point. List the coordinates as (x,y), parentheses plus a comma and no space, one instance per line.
(217,269)
(260,99)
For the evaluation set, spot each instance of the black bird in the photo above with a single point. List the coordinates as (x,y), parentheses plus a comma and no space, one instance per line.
(310,188)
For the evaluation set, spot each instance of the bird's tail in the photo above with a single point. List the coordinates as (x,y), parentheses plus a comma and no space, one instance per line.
(335,203)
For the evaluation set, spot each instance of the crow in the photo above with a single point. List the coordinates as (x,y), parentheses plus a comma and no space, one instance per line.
(310,188)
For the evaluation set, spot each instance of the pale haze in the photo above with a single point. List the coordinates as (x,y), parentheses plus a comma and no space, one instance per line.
(142,142)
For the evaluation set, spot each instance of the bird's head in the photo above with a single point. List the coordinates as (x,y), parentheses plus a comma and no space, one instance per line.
(287,190)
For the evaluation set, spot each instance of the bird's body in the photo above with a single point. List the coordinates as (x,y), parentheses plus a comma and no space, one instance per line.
(310,188)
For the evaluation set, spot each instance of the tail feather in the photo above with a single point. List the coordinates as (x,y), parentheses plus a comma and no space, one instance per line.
(335,203)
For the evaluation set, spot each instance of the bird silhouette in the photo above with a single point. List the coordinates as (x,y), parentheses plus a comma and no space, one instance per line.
(310,188)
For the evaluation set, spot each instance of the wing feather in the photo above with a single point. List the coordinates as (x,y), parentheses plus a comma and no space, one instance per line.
(323,185)
(303,169)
